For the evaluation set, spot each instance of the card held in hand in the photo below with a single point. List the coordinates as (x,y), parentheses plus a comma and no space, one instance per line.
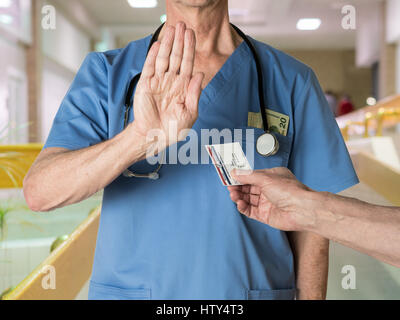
(227,157)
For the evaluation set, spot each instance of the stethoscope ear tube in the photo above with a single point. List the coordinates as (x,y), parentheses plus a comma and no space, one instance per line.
(259,77)
(267,144)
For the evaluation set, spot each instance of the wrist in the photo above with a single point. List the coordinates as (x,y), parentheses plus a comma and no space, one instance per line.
(319,208)
(140,144)
(311,203)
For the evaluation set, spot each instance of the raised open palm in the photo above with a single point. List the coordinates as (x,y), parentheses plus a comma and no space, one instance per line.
(168,93)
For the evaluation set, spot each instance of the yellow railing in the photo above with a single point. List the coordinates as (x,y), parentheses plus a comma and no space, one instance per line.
(372,120)
(384,114)
(15,161)
(72,260)
(62,275)
(377,121)
(382,178)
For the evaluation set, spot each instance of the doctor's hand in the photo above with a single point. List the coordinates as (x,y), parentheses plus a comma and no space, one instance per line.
(167,93)
(274,197)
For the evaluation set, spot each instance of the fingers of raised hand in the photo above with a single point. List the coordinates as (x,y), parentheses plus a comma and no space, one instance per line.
(188,53)
(193,93)
(177,51)
(162,62)
(150,63)
(177,48)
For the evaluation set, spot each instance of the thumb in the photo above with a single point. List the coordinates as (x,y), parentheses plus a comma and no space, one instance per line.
(194,91)
(253,177)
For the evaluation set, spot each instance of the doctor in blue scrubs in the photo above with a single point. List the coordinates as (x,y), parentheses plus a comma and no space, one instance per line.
(180,236)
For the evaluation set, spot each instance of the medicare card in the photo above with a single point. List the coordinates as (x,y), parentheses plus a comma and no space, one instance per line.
(227,157)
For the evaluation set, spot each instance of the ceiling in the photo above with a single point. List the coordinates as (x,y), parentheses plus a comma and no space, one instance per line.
(272,21)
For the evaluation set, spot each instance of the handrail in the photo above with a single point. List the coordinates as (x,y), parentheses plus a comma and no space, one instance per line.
(377,121)
(345,130)
(71,263)
(22,147)
(15,161)
(385,113)
(358,115)
(383,179)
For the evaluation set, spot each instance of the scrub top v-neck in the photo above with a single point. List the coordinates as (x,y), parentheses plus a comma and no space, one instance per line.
(181,237)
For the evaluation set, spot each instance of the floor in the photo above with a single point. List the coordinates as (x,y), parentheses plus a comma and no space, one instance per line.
(374,279)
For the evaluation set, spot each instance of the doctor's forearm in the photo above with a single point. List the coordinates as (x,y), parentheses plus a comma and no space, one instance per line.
(61,177)
(374,230)
(311,255)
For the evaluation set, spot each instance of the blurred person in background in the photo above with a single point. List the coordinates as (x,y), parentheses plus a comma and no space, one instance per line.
(345,105)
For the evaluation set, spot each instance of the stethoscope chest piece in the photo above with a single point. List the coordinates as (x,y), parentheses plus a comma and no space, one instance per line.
(267,144)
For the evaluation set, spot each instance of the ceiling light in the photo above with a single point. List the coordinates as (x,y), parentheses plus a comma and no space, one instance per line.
(308,24)
(6,19)
(5,3)
(163,18)
(143,3)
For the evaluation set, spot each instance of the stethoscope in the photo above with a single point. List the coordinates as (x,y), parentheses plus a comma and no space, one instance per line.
(266,144)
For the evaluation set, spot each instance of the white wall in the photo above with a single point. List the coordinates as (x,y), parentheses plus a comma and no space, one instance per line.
(64,50)
(67,44)
(55,83)
(369,34)
(13,80)
(12,63)
(393,33)
(20,28)
(392,21)
(398,68)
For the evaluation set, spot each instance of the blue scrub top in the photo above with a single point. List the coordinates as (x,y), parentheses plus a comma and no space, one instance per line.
(181,237)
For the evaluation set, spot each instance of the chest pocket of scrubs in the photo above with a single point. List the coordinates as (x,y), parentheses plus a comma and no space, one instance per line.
(257,161)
